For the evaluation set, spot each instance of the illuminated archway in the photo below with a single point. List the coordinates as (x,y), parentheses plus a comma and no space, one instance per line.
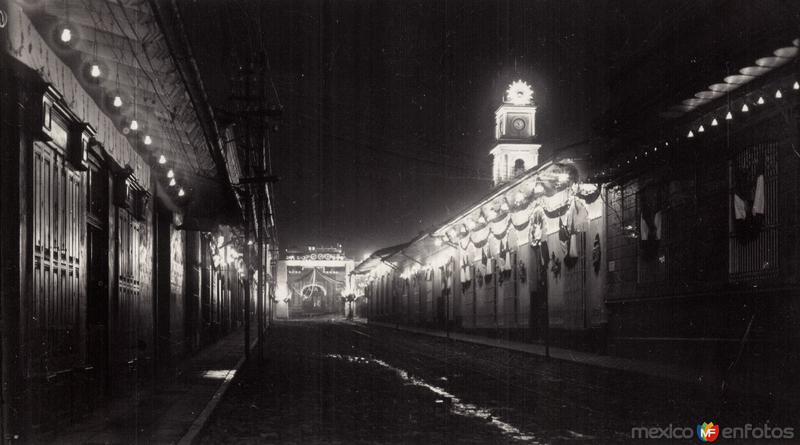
(313,295)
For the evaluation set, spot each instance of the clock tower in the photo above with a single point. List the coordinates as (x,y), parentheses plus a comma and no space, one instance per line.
(515,131)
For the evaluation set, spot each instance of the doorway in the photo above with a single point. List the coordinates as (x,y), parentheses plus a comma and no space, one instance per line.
(97,276)
(163,315)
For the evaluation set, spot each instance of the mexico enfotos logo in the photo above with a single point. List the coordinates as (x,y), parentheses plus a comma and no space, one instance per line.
(710,432)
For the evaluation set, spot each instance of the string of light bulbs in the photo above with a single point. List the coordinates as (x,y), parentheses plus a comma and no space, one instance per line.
(96,72)
(698,127)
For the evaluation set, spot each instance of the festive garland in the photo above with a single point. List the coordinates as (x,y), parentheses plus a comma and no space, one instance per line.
(520,217)
(520,220)
(591,197)
(500,228)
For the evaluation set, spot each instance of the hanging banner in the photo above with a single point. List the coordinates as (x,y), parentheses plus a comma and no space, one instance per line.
(513,238)
(577,216)
(538,227)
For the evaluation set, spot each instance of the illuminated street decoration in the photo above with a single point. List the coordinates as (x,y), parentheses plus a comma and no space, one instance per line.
(519,93)
(515,130)
(313,281)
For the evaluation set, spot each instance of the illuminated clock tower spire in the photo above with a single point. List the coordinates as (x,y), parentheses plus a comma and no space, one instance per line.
(515,132)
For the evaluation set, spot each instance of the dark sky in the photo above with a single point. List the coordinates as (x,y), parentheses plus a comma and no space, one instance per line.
(389,105)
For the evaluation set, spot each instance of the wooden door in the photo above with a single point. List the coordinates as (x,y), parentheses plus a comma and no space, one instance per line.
(97,276)
(54,324)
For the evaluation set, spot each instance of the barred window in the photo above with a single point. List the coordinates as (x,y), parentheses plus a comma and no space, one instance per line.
(754,213)
(652,222)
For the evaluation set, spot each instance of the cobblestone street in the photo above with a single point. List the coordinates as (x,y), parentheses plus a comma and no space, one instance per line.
(338,382)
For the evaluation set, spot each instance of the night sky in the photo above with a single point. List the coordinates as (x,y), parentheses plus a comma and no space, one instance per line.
(389,105)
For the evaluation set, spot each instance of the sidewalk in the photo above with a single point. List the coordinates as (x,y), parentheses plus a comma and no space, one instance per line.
(163,413)
(653,369)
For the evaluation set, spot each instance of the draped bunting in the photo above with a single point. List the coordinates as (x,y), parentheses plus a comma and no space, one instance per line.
(521,219)
(500,227)
(589,197)
(558,212)
(572,206)
(479,237)
(748,203)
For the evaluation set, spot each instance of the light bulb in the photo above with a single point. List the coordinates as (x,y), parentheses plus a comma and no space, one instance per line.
(745,108)
(66,35)
(147,141)
(538,188)
(172,182)
(701,129)
(760,100)
(181,192)
(117,101)
(778,94)
(162,159)
(796,86)
(170,173)
(95,71)
(714,122)
(504,207)
(728,116)
(690,135)
(134,125)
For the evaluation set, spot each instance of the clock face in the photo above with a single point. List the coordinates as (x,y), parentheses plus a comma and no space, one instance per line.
(518,124)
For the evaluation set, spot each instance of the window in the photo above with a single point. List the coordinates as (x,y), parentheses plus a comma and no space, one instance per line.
(754,212)
(519,167)
(652,211)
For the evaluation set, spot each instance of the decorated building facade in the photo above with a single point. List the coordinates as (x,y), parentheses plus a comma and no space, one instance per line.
(520,258)
(313,281)
(673,243)
(113,269)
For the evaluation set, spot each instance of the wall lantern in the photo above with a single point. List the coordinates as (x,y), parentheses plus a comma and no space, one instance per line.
(140,200)
(78,141)
(122,187)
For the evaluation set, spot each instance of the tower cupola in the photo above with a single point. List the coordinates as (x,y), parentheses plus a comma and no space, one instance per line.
(515,133)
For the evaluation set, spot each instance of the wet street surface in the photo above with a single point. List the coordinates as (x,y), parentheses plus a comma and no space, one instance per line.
(337,382)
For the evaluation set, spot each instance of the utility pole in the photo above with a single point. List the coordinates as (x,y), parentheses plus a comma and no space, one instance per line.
(247,286)
(252,111)
(260,309)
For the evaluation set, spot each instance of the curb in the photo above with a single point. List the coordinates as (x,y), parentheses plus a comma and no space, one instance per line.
(197,425)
